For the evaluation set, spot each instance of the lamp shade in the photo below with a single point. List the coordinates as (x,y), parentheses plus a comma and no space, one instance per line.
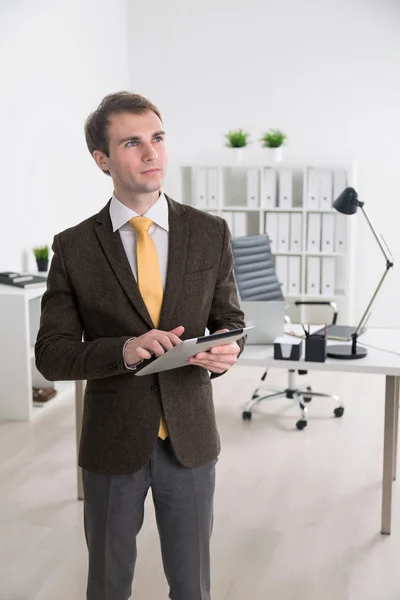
(347,203)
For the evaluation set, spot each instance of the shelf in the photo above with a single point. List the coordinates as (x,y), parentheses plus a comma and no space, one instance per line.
(329,211)
(317,297)
(240,208)
(28,293)
(256,159)
(334,254)
(262,199)
(302,253)
(65,392)
(295,209)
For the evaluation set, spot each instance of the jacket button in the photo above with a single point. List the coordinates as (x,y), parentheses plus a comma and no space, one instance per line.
(155,389)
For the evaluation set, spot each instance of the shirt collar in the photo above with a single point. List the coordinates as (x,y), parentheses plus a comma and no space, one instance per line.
(120,214)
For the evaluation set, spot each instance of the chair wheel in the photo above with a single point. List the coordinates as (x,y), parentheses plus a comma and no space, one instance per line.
(246,415)
(339,411)
(301,424)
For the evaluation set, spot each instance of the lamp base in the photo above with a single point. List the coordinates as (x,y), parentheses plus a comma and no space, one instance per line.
(345,352)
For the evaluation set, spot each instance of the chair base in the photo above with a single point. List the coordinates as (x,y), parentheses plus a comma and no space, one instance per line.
(302,395)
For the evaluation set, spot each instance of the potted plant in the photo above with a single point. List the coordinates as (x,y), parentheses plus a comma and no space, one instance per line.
(42,257)
(273,140)
(237,139)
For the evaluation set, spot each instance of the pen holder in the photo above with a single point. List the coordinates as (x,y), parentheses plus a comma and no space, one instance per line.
(315,348)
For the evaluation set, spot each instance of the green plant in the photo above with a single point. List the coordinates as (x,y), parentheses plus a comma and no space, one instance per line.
(41,252)
(273,138)
(237,138)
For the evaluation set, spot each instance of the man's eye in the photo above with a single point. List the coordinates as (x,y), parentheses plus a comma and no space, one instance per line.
(158,138)
(131,143)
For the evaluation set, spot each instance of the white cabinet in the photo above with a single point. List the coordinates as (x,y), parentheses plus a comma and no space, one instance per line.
(19,324)
(292,202)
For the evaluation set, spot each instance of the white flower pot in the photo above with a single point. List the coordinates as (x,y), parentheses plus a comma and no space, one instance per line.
(274,154)
(238,154)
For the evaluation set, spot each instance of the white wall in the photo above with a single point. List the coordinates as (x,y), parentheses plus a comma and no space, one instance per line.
(58,59)
(325,71)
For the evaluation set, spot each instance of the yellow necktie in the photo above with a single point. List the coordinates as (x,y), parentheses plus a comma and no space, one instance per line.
(149,279)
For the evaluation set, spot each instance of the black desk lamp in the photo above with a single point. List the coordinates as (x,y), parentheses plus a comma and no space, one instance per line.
(347,204)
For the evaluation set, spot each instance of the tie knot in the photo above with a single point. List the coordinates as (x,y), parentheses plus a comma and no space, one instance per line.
(140,224)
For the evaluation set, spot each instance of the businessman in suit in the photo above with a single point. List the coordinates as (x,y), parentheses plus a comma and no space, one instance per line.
(128,283)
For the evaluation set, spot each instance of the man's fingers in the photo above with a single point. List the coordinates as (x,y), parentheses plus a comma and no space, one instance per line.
(155,347)
(143,353)
(226,349)
(212,366)
(174,334)
(223,351)
(227,361)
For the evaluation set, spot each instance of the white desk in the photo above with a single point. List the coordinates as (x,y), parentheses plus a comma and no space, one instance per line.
(383,358)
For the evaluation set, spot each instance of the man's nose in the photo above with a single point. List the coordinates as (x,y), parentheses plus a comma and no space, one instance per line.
(150,154)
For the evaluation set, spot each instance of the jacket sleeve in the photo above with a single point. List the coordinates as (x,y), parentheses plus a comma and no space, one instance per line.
(60,353)
(225,309)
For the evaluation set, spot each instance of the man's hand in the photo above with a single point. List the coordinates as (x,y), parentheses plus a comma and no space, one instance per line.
(154,342)
(219,359)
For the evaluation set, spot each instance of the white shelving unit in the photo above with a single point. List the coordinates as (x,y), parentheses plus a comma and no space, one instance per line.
(294,196)
(19,324)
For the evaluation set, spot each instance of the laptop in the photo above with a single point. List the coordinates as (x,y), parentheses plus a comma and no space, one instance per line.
(341,333)
(267,317)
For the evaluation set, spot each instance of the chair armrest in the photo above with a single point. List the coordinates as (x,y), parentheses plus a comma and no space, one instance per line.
(320,303)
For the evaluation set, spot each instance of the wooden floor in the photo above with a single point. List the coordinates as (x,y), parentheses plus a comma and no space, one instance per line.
(297,513)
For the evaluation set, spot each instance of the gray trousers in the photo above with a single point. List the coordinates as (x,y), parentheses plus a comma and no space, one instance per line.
(113,514)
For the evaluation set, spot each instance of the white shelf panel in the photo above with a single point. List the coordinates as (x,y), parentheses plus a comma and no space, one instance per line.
(329,211)
(289,253)
(259,161)
(239,208)
(28,293)
(296,209)
(334,254)
(332,268)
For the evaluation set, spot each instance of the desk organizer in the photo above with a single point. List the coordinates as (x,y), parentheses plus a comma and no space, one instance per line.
(287,349)
(315,348)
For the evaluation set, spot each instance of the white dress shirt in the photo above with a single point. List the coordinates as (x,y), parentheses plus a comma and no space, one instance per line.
(158,213)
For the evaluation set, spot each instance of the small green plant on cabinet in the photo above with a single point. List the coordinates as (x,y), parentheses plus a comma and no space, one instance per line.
(237,138)
(41,252)
(273,138)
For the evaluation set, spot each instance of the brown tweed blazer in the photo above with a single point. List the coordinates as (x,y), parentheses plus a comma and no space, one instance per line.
(91,292)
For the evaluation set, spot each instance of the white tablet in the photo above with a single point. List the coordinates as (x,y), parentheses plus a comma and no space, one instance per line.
(178,355)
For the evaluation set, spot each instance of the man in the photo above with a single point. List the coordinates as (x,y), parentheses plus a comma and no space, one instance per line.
(133,280)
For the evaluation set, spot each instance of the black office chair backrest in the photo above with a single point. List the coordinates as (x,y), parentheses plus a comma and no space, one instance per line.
(255,274)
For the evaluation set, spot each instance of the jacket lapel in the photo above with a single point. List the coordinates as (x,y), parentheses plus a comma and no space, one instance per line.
(178,239)
(116,256)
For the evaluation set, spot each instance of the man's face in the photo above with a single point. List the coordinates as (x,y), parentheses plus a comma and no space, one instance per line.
(137,152)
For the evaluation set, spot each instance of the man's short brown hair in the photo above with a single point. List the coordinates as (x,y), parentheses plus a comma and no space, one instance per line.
(96,124)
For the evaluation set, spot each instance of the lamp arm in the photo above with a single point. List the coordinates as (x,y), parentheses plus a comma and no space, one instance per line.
(366,314)
(385,252)
(389,264)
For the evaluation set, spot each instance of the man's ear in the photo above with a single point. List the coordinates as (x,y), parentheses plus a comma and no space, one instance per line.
(101,160)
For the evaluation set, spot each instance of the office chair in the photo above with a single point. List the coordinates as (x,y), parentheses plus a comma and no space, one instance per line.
(256,279)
